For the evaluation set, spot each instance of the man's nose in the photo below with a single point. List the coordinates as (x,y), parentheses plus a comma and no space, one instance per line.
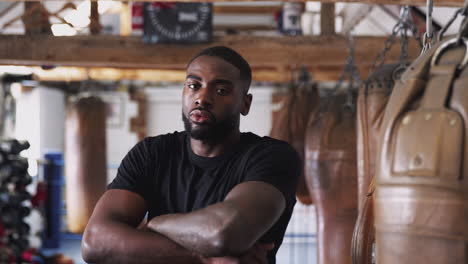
(204,97)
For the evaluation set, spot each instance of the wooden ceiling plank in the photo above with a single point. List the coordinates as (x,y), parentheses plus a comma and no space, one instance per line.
(131,52)
(269,10)
(447,3)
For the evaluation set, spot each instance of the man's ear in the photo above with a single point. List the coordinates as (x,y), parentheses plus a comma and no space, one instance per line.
(246,102)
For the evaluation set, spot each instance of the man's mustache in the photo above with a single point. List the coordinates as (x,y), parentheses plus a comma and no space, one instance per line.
(204,110)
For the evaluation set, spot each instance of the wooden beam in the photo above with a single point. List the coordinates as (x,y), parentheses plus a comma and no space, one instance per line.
(327,19)
(353,15)
(131,52)
(242,28)
(245,9)
(8,9)
(448,3)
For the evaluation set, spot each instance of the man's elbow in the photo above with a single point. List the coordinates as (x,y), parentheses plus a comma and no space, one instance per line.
(90,250)
(89,256)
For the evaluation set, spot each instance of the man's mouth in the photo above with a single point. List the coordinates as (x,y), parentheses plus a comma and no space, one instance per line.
(200,116)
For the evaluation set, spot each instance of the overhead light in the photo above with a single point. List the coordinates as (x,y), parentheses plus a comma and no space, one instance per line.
(63,30)
(79,18)
(23,70)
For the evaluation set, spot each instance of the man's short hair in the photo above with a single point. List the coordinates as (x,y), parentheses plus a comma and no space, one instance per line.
(231,56)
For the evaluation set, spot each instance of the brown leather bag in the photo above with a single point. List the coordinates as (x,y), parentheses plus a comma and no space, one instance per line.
(331,175)
(290,122)
(372,100)
(421,197)
(85,159)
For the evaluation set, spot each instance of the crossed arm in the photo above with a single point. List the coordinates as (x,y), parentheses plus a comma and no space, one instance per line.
(228,228)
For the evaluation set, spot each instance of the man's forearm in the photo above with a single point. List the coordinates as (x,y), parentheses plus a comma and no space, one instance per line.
(115,242)
(212,231)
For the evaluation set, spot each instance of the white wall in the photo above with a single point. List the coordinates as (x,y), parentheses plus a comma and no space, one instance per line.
(119,138)
(40,119)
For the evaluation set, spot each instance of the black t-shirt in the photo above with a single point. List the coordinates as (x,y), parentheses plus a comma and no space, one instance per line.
(173,179)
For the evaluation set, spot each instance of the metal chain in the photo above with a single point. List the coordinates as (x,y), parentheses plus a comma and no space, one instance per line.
(404,45)
(388,44)
(403,25)
(350,71)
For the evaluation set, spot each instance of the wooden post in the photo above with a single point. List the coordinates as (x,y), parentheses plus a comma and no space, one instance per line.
(327,19)
(125,20)
(36,19)
(95,26)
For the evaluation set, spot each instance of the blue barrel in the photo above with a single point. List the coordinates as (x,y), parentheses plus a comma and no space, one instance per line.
(53,175)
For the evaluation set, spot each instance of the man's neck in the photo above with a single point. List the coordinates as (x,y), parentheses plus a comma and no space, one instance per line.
(209,149)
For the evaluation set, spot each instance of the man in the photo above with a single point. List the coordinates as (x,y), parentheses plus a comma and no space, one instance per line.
(213,194)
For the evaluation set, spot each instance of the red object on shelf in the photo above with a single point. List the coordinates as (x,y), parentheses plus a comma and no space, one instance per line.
(137,16)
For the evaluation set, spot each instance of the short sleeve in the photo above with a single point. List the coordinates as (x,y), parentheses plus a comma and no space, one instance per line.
(277,164)
(132,172)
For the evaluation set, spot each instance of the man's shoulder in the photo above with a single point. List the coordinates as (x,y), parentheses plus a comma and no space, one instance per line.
(258,144)
(161,143)
(175,136)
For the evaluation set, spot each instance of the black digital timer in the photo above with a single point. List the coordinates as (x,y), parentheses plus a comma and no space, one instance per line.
(166,22)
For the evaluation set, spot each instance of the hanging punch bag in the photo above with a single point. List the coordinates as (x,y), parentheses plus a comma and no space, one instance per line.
(290,122)
(372,100)
(85,159)
(331,174)
(421,195)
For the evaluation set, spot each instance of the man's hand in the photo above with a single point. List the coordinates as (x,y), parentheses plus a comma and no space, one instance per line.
(256,255)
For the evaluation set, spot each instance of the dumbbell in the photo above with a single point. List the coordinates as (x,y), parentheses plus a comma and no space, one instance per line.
(13,146)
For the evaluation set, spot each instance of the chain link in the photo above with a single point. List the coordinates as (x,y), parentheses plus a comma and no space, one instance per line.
(351,73)
(401,28)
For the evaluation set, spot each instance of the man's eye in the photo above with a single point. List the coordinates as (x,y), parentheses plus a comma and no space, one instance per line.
(222,91)
(192,85)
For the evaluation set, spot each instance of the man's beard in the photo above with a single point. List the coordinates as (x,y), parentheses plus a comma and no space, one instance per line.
(211,131)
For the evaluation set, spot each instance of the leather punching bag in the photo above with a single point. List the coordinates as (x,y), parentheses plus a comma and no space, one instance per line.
(85,159)
(372,100)
(290,122)
(421,197)
(331,174)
